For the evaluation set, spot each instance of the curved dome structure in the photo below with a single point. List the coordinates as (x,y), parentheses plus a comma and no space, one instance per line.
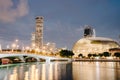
(93,45)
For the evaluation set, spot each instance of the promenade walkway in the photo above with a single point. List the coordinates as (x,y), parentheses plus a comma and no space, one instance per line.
(98,60)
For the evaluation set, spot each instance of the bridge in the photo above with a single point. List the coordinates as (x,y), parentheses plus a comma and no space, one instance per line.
(36,56)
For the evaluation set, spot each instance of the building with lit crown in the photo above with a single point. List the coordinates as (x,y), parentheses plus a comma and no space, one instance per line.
(37,36)
(92,44)
(37,39)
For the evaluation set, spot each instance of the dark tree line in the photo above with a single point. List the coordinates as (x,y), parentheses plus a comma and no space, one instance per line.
(66,53)
(105,54)
(117,54)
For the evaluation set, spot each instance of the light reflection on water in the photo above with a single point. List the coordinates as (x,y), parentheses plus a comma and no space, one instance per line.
(63,71)
(38,71)
(96,71)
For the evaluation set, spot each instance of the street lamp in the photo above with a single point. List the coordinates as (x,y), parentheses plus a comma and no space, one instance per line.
(0,48)
(27,48)
(16,42)
(33,45)
(36,50)
(13,46)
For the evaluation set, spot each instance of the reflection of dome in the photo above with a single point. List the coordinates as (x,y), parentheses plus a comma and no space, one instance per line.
(93,45)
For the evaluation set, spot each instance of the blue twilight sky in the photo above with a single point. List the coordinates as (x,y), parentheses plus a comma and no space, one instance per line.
(63,20)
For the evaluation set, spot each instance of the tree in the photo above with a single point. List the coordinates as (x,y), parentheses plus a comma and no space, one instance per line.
(117,54)
(89,55)
(66,53)
(80,55)
(94,55)
(106,54)
(100,54)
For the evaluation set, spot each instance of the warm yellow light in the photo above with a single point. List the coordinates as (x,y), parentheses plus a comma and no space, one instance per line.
(27,48)
(33,44)
(13,45)
(37,49)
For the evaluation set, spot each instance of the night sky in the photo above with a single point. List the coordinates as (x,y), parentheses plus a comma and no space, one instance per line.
(64,20)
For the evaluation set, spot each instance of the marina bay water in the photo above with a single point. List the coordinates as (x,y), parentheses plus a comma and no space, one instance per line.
(61,71)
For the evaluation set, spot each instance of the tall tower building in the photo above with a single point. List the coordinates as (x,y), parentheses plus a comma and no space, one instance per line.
(39,32)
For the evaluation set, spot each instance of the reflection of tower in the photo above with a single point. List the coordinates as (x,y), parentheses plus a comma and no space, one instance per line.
(39,32)
(88,31)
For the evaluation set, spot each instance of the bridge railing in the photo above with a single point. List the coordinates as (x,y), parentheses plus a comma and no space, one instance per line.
(42,54)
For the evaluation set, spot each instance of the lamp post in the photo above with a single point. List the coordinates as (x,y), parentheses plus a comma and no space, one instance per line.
(16,42)
(13,46)
(27,48)
(33,46)
(36,50)
(0,48)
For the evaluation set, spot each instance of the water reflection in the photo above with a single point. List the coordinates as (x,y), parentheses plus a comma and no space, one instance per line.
(96,71)
(38,71)
(62,71)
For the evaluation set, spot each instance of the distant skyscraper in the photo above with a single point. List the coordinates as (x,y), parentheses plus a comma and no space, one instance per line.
(39,32)
(37,36)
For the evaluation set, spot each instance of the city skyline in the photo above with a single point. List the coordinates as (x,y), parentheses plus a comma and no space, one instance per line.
(63,20)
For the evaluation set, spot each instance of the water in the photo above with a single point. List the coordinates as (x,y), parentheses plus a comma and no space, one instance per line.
(96,71)
(62,71)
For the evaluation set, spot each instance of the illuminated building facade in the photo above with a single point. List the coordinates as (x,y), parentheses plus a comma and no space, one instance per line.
(91,44)
(37,37)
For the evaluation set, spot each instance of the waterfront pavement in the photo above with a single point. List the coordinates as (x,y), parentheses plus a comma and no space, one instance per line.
(99,60)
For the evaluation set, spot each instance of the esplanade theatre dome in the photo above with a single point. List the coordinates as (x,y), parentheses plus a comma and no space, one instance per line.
(92,44)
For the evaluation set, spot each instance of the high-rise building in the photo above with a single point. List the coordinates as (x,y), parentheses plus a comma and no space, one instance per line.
(37,36)
(39,32)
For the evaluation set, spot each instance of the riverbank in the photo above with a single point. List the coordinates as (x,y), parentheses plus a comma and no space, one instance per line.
(98,60)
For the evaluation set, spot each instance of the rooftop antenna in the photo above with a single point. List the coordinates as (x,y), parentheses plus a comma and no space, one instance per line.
(94,33)
(119,39)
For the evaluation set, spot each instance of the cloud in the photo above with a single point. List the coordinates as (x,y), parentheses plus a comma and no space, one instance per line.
(9,14)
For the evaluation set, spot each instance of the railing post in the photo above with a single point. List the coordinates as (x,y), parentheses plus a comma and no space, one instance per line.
(22,58)
(48,60)
(37,59)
